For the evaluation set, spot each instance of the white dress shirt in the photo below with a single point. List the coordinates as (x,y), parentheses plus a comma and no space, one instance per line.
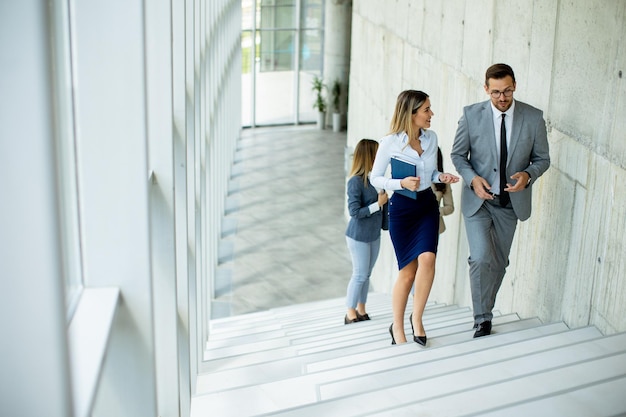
(508,123)
(397,145)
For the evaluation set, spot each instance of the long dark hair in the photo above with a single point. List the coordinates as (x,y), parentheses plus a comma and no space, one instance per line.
(440,186)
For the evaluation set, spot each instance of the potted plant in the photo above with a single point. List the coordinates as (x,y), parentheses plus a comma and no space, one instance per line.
(336,95)
(320,104)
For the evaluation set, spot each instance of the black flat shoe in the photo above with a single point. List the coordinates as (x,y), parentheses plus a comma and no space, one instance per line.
(420,340)
(346,320)
(393,341)
(362,317)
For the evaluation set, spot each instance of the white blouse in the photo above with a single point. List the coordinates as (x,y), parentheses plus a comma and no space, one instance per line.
(396,145)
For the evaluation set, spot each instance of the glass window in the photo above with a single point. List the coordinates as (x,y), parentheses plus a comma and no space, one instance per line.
(275,79)
(248,56)
(277,50)
(277,14)
(282,49)
(247,14)
(311,51)
(312,14)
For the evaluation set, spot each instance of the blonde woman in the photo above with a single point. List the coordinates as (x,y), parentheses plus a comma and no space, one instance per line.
(414,220)
(363,232)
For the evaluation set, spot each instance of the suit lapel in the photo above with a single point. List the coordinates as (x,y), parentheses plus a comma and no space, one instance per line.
(518,122)
(488,131)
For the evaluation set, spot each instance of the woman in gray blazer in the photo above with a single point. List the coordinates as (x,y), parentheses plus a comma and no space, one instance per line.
(363,232)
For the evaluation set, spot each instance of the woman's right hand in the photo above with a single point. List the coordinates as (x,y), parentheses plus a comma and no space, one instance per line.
(382,198)
(410,183)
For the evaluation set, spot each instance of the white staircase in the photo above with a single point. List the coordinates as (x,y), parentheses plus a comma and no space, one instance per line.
(303,361)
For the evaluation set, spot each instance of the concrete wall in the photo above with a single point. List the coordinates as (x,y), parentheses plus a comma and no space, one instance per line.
(567,261)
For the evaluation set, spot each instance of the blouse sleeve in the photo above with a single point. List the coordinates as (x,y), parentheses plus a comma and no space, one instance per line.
(381,163)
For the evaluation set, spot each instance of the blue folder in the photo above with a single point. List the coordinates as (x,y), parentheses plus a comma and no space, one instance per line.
(402,169)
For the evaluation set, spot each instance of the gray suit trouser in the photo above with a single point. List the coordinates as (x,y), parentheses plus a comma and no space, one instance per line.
(490,233)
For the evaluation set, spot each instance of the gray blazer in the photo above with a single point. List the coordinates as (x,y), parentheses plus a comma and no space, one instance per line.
(474,152)
(363,225)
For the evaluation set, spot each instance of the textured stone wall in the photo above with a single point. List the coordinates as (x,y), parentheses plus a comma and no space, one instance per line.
(568,259)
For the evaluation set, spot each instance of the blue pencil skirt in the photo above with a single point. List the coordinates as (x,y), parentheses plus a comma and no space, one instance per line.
(413,225)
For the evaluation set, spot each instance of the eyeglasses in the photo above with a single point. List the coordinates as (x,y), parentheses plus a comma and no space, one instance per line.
(507,93)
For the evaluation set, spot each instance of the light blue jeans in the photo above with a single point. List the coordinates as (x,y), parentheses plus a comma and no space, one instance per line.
(364,255)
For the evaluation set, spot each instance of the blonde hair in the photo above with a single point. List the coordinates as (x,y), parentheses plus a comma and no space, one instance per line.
(407,104)
(363,158)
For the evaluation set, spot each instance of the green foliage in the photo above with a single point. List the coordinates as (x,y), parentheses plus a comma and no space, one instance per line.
(318,86)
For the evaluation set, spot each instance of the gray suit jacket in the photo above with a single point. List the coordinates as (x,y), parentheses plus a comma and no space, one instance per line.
(474,152)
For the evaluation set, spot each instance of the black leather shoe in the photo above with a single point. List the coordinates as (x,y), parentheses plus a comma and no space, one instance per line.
(483,329)
(420,340)
(362,317)
(393,341)
(346,320)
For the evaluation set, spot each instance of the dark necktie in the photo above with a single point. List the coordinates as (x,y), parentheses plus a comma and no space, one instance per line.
(504,196)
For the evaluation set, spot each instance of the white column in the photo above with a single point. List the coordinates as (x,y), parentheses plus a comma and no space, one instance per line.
(180,141)
(159,79)
(35,371)
(112,152)
(337,32)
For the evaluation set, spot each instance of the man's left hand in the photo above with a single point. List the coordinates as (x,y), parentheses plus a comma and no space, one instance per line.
(521,179)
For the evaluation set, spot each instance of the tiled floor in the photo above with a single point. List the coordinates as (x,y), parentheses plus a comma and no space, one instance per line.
(283,240)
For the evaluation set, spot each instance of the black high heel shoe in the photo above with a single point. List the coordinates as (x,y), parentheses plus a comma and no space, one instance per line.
(393,341)
(420,340)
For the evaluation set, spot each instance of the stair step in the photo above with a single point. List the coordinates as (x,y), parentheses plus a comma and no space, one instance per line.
(503,383)
(380,325)
(248,326)
(257,367)
(426,364)
(318,335)
(308,389)
(303,361)
(448,335)
(250,382)
(268,351)
(600,399)
(386,359)
(592,388)
(322,307)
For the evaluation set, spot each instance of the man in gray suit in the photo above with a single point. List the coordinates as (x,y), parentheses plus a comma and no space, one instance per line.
(500,150)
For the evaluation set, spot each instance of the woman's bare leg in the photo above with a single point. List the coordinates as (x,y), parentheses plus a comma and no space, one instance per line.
(399,297)
(360,308)
(423,283)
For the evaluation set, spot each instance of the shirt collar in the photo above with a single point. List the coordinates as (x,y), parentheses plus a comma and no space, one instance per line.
(497,113)
(404,138)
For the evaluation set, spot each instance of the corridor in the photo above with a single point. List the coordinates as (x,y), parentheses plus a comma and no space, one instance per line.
(283,240)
